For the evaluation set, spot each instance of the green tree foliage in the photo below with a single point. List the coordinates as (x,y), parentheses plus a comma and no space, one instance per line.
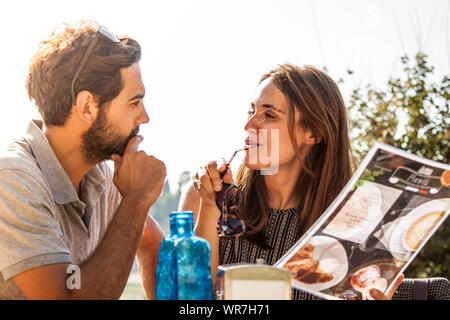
(412,113)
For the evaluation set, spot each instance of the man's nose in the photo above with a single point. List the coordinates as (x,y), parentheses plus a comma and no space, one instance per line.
(143,116)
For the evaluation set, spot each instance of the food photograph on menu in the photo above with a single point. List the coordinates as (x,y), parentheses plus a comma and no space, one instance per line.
(374,229)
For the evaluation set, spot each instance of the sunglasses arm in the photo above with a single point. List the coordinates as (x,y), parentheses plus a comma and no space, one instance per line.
(81,66)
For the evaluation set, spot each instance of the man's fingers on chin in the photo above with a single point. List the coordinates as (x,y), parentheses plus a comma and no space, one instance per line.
(133,144)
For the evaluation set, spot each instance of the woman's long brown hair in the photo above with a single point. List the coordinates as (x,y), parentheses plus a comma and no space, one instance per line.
(326,168)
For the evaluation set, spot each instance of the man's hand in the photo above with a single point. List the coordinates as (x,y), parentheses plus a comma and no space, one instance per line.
(137,175)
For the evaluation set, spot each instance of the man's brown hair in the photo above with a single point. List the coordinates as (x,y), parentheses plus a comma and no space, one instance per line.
(53,67)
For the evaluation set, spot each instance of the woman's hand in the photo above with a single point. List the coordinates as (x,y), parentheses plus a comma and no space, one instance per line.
(378,295)
(207,181)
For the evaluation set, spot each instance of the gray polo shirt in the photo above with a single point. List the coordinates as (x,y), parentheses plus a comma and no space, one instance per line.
(42,219)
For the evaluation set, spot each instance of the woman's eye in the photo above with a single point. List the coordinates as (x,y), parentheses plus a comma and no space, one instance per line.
(251,112)
(269,115)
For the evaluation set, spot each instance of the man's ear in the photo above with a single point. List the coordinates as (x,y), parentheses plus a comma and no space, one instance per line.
(86,108)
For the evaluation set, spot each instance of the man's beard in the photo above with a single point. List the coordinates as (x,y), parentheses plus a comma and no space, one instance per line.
(103,139)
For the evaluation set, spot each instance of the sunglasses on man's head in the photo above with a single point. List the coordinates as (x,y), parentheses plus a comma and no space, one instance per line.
(101,31)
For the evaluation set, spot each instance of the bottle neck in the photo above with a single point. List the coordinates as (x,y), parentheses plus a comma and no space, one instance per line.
(181,226)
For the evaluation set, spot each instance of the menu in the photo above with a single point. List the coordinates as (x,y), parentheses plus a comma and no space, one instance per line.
(375,227)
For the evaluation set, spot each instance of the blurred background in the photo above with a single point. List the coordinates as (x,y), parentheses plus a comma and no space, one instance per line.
(202,59)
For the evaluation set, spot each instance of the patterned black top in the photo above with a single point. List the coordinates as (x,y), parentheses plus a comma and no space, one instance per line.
(281,235)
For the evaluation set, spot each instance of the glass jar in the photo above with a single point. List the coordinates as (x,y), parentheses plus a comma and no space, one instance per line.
(183,271)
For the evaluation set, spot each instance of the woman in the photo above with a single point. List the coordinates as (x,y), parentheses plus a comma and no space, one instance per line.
(299,113)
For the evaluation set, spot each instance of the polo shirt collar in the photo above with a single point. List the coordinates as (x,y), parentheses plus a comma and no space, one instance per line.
(60,185)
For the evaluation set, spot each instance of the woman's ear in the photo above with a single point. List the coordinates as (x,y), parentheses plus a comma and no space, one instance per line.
(317,139)
(86,108)
(309,138)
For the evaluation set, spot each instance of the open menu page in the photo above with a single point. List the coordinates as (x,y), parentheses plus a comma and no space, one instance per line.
(373,230)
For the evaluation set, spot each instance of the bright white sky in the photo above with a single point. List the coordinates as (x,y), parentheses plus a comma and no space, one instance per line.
(202,59)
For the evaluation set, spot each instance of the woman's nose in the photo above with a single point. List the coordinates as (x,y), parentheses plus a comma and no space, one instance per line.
(251,123)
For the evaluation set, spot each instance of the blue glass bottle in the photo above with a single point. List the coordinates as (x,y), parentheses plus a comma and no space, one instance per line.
(165,276)
(183,270)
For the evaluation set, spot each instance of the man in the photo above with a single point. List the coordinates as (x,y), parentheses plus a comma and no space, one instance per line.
(69,228)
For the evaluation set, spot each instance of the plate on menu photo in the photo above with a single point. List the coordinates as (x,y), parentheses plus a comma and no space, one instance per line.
(414,227)
(319,264)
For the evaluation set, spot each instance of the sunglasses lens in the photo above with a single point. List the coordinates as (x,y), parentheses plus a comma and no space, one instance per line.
(230,224)
(108,34)
(230,227)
